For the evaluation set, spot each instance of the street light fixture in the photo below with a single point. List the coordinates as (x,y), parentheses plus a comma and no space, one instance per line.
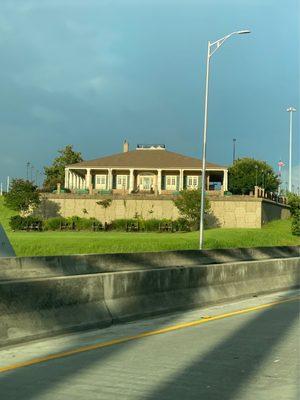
(211,49)
(290,110)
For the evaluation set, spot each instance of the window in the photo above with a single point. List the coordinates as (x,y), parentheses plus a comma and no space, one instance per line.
(122,181)
(101,181)
(192,181)
(171,182)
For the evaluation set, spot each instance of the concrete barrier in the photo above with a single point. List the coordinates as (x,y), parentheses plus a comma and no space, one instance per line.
(137,294)
(32,309)
(35,308)
(29,267)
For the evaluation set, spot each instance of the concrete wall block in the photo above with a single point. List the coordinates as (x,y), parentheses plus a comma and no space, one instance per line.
(42,307)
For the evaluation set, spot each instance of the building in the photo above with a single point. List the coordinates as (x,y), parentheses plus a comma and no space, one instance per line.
(147,169)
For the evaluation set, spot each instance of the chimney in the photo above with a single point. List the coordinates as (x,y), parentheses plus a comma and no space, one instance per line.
(125,146)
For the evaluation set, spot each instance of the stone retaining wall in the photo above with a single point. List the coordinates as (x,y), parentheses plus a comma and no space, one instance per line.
(229,212)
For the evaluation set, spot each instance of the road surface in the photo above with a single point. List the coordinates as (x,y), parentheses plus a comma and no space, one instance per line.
(245,350)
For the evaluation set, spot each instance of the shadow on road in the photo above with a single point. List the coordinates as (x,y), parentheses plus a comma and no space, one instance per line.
(221,373)
(224,371)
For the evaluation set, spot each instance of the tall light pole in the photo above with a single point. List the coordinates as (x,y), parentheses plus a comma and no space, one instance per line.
(233,155)
(290,110)
(27,170)
(211,49)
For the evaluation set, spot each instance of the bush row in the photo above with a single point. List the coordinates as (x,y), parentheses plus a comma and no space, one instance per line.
(150,225)
(77,223)
(296,223)
(294,203)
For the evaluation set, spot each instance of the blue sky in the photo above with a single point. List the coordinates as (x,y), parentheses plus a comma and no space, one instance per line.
(92,73)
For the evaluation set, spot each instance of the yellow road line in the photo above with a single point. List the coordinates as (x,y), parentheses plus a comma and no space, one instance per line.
(113,342)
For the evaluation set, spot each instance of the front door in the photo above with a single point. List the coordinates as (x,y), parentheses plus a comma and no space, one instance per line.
(146,183)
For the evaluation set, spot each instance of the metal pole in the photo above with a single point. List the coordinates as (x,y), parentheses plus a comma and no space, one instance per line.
(7,185)
(27,170)
(290,155)
(204,151)
(233,156)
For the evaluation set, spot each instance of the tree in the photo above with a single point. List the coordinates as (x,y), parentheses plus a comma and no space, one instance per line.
(104,204)
(22,196)
(56,172)
(246,173)
(188,203)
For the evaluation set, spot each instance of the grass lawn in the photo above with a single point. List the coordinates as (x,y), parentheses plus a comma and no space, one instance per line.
(276,233)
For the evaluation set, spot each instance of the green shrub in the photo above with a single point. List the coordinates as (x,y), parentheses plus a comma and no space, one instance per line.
(84,224)
(296,223)
(80,224)
(294,203)
(54,224)
(122,223)
(18,223)
(188,204)
(150,225)
(181,224)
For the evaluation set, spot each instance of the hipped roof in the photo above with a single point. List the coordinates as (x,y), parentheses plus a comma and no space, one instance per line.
(152,159)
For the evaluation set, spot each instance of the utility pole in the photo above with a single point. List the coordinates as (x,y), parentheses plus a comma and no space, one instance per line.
(7,185)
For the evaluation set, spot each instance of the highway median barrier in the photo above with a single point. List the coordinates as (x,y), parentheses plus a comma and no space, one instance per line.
(38,307)
(47,266)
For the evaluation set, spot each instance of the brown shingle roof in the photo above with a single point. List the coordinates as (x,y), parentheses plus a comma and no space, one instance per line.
(151,159)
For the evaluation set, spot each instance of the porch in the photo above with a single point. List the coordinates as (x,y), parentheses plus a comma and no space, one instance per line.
(144,181)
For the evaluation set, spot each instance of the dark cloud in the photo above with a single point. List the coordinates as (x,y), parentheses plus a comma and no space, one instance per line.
(91,73)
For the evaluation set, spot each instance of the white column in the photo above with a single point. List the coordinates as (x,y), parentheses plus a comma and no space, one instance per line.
(109,183)
(131,180)
(207,180)
(225,181)
(70,180)
(159,181)
(181,180)
(66,178)
(88,178)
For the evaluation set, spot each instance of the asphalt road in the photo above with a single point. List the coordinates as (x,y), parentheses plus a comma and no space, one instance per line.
(218,353)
